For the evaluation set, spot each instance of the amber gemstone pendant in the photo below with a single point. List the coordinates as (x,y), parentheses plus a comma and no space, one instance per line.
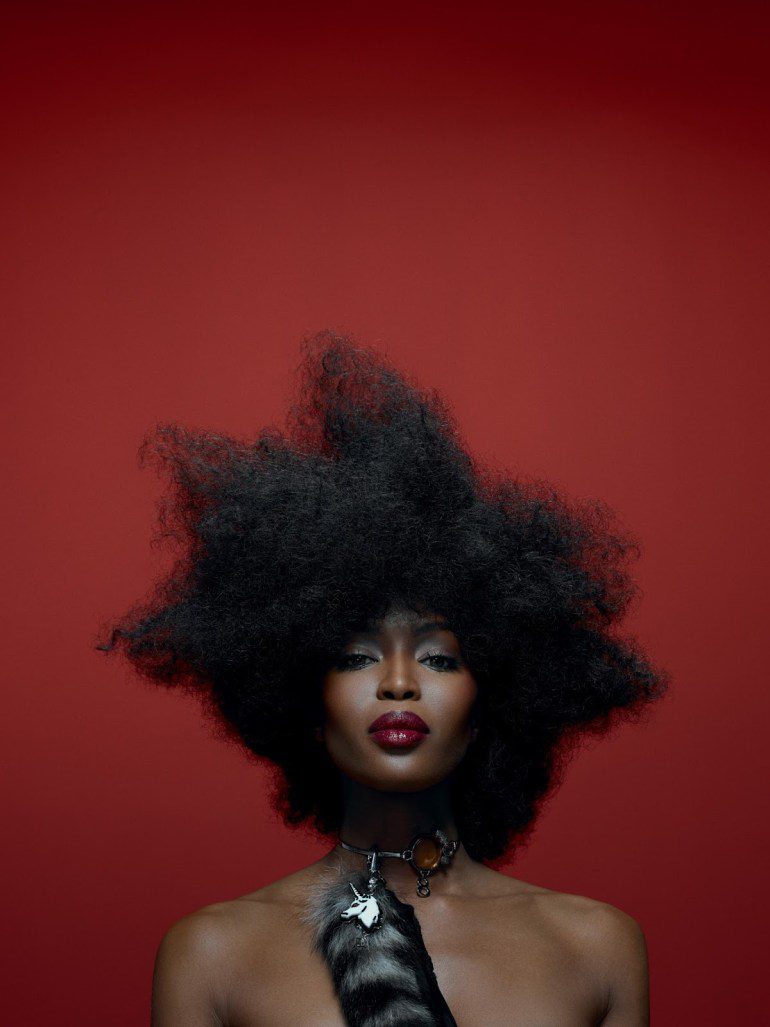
(426,853)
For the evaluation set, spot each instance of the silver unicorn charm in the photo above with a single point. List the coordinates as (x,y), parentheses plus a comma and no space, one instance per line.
(364,908)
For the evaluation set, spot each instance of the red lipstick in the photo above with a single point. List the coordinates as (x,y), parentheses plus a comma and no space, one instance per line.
(398,729)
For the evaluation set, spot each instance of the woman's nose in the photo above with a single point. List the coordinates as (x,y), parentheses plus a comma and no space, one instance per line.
(399,680)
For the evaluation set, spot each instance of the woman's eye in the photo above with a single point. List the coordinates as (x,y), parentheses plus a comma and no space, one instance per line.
(441,661)
(351,661)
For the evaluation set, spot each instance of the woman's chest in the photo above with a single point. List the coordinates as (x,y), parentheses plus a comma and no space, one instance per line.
(489,978)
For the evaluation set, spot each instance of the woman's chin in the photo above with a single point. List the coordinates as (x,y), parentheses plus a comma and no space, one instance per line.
(394,778)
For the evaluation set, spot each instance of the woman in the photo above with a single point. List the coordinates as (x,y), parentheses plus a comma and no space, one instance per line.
(415,644)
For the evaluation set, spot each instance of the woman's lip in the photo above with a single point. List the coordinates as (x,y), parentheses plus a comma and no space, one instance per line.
(399,720)
(398,738)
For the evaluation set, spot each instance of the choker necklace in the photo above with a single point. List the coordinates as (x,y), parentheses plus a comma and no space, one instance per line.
(426,853)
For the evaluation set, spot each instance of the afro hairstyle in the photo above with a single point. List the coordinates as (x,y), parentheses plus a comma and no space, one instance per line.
(367,500)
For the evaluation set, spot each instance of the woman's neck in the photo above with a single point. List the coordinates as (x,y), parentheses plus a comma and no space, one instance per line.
(391,819)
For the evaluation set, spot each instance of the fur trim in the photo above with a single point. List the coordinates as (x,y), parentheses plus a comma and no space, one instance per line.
(383,977)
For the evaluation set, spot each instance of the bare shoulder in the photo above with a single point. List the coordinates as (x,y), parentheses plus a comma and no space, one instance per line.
(599,930)
(193,954)
(185,985)
(212,937)
(199,959)
(591,922)
(204,936)
(610,946)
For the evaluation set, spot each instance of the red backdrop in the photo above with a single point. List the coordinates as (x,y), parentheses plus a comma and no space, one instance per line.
(560,220)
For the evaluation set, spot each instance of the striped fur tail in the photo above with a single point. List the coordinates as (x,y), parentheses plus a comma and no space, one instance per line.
(383,978)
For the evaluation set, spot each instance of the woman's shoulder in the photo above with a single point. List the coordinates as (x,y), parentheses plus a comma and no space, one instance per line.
(597,933)
(593,940)
(212,932)
(202,954)
(201,945)
(592,924)
(610,947)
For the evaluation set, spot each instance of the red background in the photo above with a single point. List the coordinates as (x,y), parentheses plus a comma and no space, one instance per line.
(557,218)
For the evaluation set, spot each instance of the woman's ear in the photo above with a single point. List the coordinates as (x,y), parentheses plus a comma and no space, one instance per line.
(318,733)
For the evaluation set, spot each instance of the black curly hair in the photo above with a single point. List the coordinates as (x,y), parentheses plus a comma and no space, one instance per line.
(368,500)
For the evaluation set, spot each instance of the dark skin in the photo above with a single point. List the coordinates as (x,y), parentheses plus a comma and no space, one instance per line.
(505,952)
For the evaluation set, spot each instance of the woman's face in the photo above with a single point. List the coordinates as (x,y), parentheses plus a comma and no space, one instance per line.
(409,665)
